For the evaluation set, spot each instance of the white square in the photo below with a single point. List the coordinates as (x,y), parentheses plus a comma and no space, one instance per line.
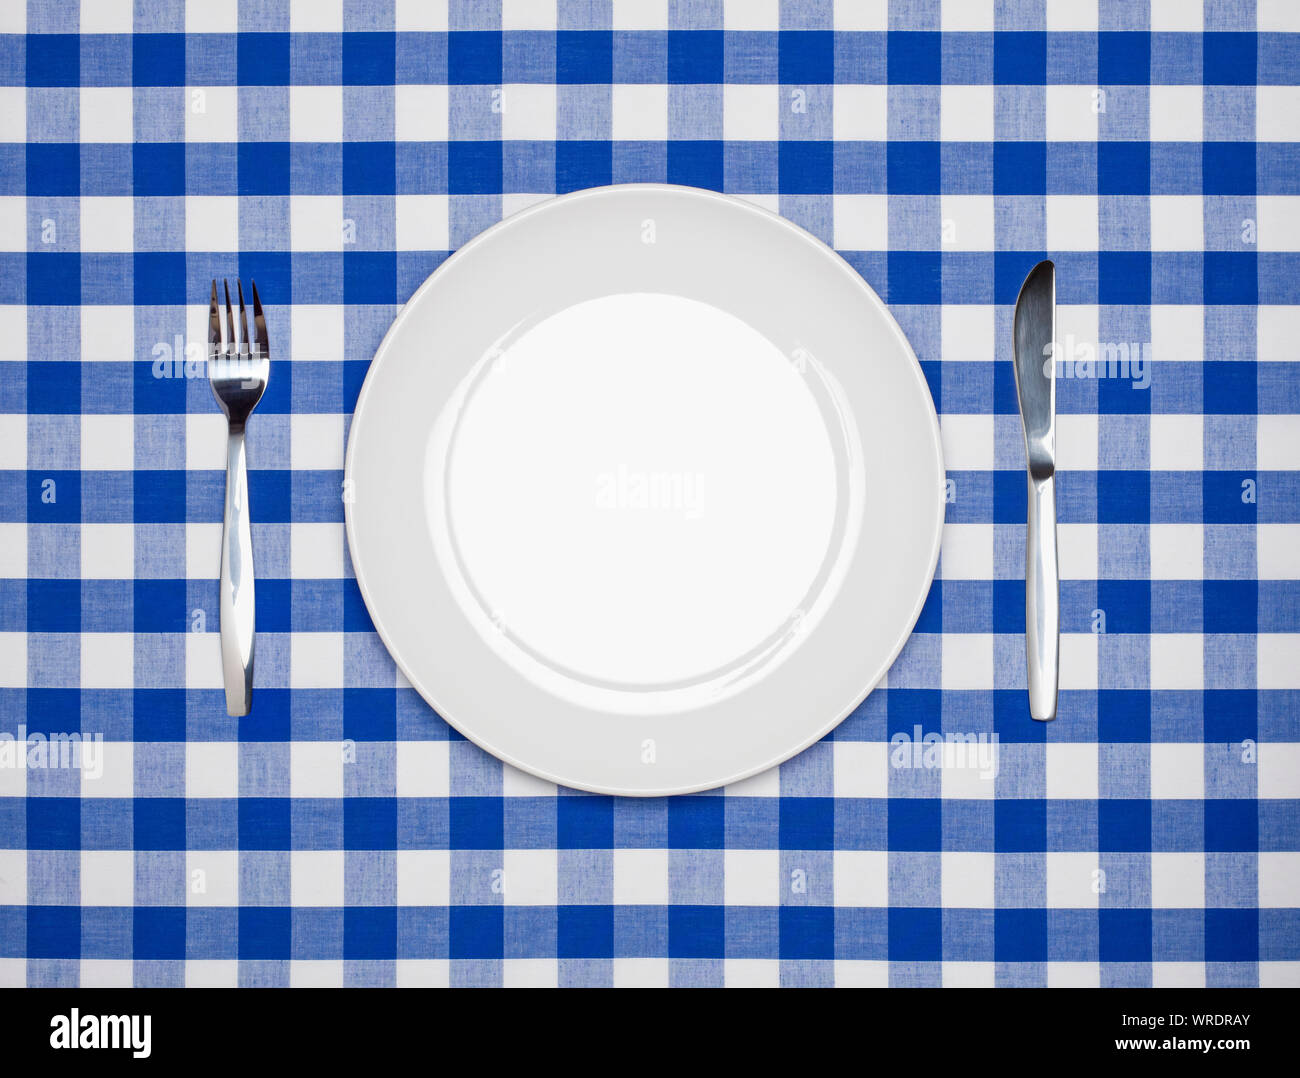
(107,878)
(202,550)
(315,973)
(751,15)
(640,14)
(13,223)
(316,222)
(965,113)
(316,551)
(1177,334)
(423,223)
(1279,767)
(420,113)
(13,877)
(316,877)
(970,770)
(1072,880)
(107,223)
(1177,551)
(1076,547)
(1072,113)
(1277,112)
(1277,661)
(640,877)
(1274,16)
(13,347)
(423,769)
(1079,661)
(531,877)
(528,15)
(1178,880)
(516,783)
(107,114)
(752,877)
(1177,768)
(211,16)
(968,331)
(1279,222)
(528,111)
(967,15)
(212,223)
(107,443)
(861,222)
(316,332)
(1073,974)
(1071,771)
(1177,15)
(1183,974)
(316,442)
(106,16)
(861,878)
(205,447)
(967,660)
(107,551)
(203,659)
(966,880)
(106,973)
(107,334)
(1072,223)
(968,975)
(1279,879)
(1176,113)
(421,15)
(640,973)
(212,114)
(862,973)
(860,113)
(13,552)
(967,552)
(321,16)
(1177,443)
(1277,552)
(316,113)
(423,877)
(112,774)
(861,769)
(967,442)
(211,973)
(1277,331)
(861,14)
(1177,661)
(13,114)
(107,660)
(1078,15)
(315,767)
(530,973)
(967,222)
(212,878)
(423,973)
(639,113)
(751,113)
(211,769)
(1177,223)
(751,973)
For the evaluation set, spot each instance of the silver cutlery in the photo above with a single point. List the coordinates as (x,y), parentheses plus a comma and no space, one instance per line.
(1035,359)
(237,371)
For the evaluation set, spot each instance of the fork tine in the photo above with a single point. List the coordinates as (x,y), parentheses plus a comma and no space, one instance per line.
(214,323)
(259,322)
(232,342)
(245,343)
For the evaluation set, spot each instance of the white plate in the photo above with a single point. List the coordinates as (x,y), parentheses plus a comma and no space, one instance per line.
(645,490)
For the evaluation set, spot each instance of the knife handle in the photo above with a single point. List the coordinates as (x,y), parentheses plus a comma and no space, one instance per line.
(1042,599)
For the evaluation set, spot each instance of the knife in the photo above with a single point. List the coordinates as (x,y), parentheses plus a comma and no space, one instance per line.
(1035,359)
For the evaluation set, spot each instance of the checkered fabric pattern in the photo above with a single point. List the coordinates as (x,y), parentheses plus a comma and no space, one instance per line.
(337,151)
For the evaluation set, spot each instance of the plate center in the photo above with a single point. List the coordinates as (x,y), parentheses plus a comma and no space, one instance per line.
(640,491)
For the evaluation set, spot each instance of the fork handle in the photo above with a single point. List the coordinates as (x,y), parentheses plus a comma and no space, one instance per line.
(237,581)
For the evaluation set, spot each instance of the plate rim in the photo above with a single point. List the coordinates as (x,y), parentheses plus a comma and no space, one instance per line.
(868,293)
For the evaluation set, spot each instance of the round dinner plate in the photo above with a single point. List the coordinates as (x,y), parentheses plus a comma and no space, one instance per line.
(644,490)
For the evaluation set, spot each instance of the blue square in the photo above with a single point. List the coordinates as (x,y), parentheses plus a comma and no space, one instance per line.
(159,496)
(158,59)
(160,606)
(1228,59)
(52,60)
(160,278)
(1230,386)
(265,933)
(158,714)
(370,823)
(263,168)
(931,619)
(584,56)
(1124,935)
(264,822)
(1127,604)
(695,56)
(807,932)
(370,714)
(1124,715)
(696,163)
(805,57)
(53,606)
(370,277)
(1231,277)
(1231,935)
(915,934)
(1019,58)
(53,823)
(474,58)
(53,932)
(807,823)
(1231,826)
(54,388)
(1019,825)
(158,168)
(262,59)
(1231,606)
(1124,168)
(916,823)
(1124,825)
(1123,58)
(696,823)
(53,710)
(806,167)
(584,932)
(476,932)
(914,58)
(912,168)
(583,163)
(697,931)
(915,277)
(584,823)
(370,933)
(1019,935)
(370,168)
(53,169)
(1228,168)
(158,933)
(477,823)
(1230,715)
(473,168)
(1019,168)
(1123,497)
(159,823)
(1124,277)
(369,59)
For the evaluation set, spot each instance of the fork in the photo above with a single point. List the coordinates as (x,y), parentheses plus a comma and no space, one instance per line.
(237,372)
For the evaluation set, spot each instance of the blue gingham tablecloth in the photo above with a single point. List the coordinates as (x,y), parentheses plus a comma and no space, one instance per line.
(342,833)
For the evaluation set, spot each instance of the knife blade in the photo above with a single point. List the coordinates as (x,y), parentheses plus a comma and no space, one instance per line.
(1034,334)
